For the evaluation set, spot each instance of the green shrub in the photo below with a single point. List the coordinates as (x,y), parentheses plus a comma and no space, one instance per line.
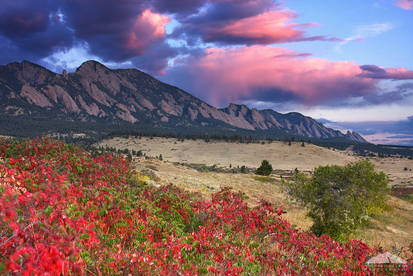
(129,157)
(265,168)
(340,199)
(263,179)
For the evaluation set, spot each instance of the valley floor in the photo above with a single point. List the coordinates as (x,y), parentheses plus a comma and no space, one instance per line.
(393,229)
(279,154)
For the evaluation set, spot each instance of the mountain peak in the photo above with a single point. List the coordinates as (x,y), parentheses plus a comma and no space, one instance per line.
(26,62)
(236,105)
(91,65)
(24,65)
(233,106)
(27,72)
(354,136)
(96,93)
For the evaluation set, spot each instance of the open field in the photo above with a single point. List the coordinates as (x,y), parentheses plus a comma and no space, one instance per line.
(279,154)
(223,154)
(394,228)
(399,170)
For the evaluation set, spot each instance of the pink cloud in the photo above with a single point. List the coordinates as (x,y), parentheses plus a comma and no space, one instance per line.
(247,22)
(148,28)
(399,73)
(376,72)
(405,4)
(233,74)
(265,28)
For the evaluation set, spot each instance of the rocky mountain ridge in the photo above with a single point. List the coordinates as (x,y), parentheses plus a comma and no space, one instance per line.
(96,93)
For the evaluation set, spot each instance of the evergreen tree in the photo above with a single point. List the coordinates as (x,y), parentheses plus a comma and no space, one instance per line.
(264,169)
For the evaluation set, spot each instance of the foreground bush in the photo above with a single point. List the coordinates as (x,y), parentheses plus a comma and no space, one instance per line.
(65,212)
(340,199)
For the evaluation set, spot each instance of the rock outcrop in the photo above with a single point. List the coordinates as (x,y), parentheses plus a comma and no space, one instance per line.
(96,93)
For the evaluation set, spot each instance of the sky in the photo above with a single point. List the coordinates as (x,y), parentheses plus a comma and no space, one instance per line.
(348,63)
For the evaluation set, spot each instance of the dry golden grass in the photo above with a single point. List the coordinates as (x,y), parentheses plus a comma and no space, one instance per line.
(224,154)
(279,154)
(399,170)
(394,228)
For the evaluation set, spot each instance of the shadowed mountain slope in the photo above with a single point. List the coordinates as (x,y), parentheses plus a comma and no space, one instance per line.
(95,93)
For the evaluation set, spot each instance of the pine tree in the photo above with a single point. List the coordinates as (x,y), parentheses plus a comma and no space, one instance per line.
(265,168)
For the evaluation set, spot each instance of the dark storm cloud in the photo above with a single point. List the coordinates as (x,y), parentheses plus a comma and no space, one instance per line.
(156,58)
(100,17)
(399,94)
(386,98)
(13,52)
(31,29)
(104,25)
(373,69)
(234,22)
(272,95)
(113,30)
(235,9)
(122,30)
(134,30)
(23,22)
(180,7)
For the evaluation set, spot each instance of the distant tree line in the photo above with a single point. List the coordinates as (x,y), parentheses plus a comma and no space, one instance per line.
(28,127)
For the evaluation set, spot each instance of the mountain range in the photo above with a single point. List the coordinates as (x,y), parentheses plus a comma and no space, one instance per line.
(95,93)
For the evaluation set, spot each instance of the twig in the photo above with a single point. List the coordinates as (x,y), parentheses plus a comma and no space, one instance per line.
(15,233)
